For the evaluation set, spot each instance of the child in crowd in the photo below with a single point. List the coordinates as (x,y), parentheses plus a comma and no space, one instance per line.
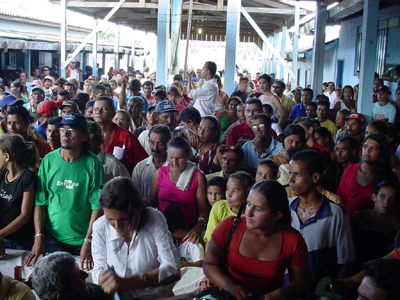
(216,188)
(17,192)
(237,190)
(375,229)
(191,255)
(267,169)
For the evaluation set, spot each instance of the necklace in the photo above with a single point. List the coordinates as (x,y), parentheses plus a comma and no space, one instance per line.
(307,210)
(15,179)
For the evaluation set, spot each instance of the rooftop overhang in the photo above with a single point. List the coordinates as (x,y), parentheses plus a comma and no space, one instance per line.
(209,15)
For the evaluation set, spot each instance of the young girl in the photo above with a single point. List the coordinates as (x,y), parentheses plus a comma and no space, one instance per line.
(375,229)
(216,188)
(267,169)
(17,192)
(237,190)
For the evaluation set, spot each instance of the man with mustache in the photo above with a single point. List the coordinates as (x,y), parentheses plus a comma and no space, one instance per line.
(159,136)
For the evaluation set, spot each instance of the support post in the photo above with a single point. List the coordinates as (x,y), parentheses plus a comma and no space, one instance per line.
(265,58)
(283,52)
(318,60)
(162,40)
(176,19)
(94,52)
(189,27)
(232,38)
(116,48)
(295,51)
(28,63)
(368,57)
(271,56)
(63,37)
(274,59)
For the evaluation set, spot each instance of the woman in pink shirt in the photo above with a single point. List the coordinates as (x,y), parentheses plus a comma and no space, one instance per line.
(182,184)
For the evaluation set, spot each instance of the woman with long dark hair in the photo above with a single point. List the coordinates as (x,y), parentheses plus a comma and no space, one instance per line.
(253,263)
(132,248)
(359,178)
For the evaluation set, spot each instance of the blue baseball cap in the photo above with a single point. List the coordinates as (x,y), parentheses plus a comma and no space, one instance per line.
(75,120)
(10,100)
(165,106)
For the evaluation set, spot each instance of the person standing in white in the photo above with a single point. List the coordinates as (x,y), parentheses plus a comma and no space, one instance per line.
(207,95)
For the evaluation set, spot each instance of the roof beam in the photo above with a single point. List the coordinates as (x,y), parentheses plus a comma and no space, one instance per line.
(196,6)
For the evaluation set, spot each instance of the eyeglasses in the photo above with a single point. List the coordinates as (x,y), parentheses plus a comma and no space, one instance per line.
(258,127)
(70,131)
(45,70)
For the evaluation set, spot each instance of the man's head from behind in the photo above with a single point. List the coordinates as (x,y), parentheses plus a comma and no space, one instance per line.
(57,276)
(381,281)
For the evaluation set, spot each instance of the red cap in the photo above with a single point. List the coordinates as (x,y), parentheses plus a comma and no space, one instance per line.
(244,78)
(356,116)
(115,71)
(383,88)
(47,107)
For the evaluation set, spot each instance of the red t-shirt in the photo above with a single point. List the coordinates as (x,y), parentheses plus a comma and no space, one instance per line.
(258,276)
(134,151)
(355,196)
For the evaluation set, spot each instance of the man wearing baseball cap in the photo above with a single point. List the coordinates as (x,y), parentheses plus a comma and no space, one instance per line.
(383,109)
(72,71)
(37,94)
(67,195)
(354,127)
(242,93)
(69,106)
(232,158)
(166,114)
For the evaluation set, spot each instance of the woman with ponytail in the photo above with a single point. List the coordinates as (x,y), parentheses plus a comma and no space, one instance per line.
(17,192)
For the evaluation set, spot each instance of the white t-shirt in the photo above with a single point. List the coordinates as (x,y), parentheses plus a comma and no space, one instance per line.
(190,252)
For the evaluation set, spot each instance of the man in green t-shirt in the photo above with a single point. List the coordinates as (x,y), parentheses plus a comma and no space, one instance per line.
(67,195)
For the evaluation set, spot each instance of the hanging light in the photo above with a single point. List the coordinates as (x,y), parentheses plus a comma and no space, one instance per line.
(199,31)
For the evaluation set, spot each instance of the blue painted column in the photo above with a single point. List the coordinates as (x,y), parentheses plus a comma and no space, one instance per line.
(264,68)
(116,49)
(162,40)
(63,37)
(283,53)
(318,58)
(271,69)
(368,57)
(94,52)
(176,19)
(27,63)
(274,60)
(232,39)
(295,51)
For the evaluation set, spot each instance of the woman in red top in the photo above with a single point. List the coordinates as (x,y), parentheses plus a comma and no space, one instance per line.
(358,179)
(262,248)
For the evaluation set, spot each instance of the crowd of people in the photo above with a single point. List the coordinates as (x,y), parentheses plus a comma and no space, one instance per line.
(270,190)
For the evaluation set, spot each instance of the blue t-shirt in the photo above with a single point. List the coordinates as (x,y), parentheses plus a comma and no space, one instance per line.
(297,111)
(387,111)
(128,96)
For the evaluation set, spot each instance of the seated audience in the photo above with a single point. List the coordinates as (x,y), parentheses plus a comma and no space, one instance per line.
(232,158)
(375,229)
(216,189)
(267,169)
(135,242)
(268,247)
(322,117)
(299,110)
(355,124)
(383,109)
(150,121)
(159,136)
(340,122)
(190,254)
(52,133)
(359,178)
(263,144)
(323,224)
(123,119)
(57,276)
(311,110)
(183,184)
(346,150)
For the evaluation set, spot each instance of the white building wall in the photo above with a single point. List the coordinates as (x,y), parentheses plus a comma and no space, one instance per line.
(348,40)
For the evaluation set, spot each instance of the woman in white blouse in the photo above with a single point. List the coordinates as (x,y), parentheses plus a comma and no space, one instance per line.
(133,243)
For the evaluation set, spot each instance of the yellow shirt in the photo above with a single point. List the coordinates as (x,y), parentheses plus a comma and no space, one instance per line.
(31,131)
(287,104)
(331,127)
(219,211)
(11,289)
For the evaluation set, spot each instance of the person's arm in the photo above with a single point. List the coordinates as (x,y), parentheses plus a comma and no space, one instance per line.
(202,206)
(154,187)
(99,248)
(121,98)
(111,282)
(28,201)
(298,285)
(336,108)
(38,248)
(190,85)
(213,267)
(281,110)
(86,259)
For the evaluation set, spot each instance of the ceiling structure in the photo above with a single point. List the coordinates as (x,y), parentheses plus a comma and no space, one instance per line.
(209,15)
